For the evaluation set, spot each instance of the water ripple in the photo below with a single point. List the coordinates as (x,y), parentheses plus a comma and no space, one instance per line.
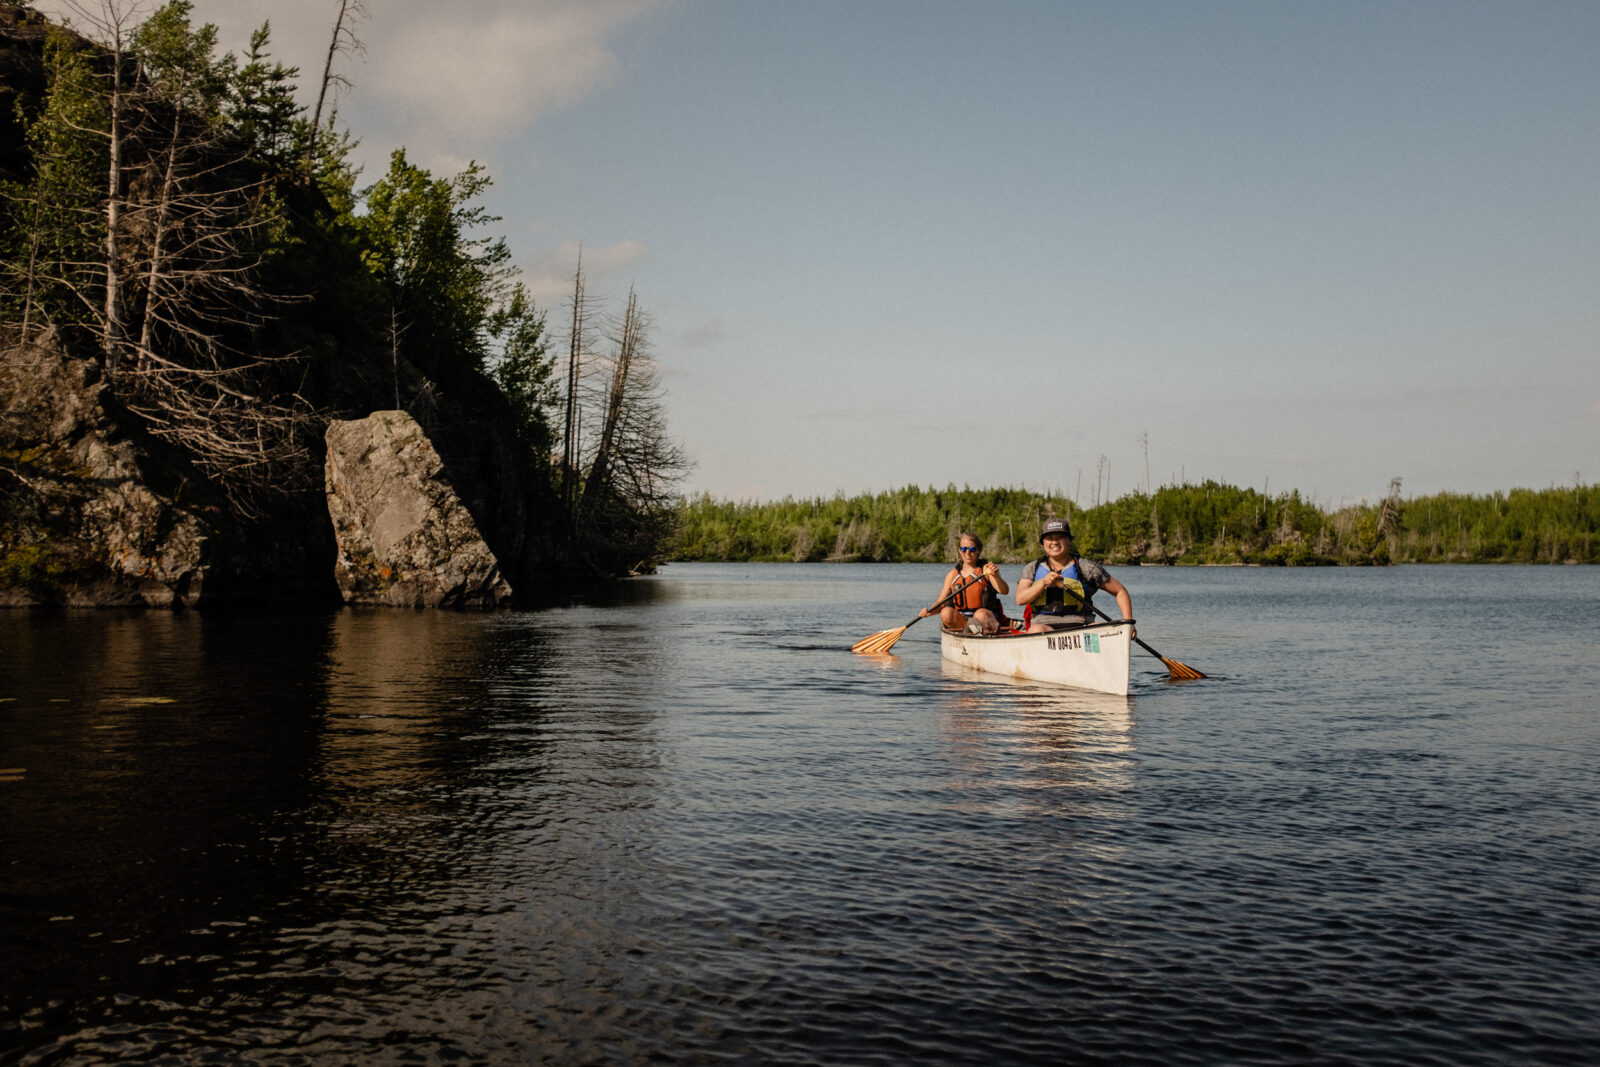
(693,829)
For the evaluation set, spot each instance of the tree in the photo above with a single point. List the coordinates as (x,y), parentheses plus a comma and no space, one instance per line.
(343,40)
(577,351)
(629,503)
(180,214)
(56,227)
(524,369)
(262,109)
(443,281)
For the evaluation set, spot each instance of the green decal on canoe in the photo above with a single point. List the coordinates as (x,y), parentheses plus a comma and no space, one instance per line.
(1093,642)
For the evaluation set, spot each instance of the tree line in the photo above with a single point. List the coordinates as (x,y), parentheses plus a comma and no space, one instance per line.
(171,212)
(1205,523)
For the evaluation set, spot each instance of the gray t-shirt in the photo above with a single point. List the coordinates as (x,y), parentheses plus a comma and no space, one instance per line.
(1092,576)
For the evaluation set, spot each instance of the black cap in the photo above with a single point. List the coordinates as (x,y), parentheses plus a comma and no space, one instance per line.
(1055,526)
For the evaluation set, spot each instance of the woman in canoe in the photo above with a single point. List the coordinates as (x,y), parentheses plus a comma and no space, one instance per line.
(1060,584)
(978,588)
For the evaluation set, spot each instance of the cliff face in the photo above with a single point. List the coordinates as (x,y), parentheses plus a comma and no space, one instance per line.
(94,515)
(22,34)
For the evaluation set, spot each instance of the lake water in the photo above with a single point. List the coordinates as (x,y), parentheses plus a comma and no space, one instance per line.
(686,825)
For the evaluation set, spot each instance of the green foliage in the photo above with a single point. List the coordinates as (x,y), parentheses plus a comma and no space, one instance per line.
(1520,526)
(31,566)
(178,62)
(523,368)
(417,234)
(1208,523)
(904,525)
(53,225)
(262,109)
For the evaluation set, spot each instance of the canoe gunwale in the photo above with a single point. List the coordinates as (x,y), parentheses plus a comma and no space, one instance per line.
(1006,635)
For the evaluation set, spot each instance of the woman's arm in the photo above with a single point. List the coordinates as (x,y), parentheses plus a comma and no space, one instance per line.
(943,592)
(1029,590)
(1124,599)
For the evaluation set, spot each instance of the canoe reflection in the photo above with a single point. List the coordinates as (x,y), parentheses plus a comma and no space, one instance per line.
(1079,744)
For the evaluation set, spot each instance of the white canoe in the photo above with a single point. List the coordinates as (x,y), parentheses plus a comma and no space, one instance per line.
(1091,657)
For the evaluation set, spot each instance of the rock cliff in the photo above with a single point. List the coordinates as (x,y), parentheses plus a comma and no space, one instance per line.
(95,514)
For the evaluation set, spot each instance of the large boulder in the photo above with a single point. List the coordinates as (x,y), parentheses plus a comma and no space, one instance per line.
(404,536)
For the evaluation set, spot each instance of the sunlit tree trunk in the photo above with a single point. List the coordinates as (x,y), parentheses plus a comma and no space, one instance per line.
(113,329)
(342,40)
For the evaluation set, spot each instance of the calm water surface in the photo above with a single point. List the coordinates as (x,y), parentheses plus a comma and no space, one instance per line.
(688,826)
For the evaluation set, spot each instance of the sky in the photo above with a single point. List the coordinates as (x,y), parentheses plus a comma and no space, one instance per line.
(1069,247)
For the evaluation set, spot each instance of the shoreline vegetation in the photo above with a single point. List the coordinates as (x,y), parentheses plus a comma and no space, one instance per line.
(1204,524)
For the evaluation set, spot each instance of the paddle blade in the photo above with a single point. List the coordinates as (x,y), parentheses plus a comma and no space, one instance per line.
(1180,670)
(882,641)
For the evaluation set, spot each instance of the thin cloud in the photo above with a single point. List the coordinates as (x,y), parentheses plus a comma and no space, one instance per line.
(548,275)
(706,334)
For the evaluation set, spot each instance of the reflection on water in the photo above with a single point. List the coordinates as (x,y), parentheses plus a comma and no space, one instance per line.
(681,822)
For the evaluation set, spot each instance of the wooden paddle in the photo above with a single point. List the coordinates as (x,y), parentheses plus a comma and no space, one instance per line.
(1174,668)
(884,640)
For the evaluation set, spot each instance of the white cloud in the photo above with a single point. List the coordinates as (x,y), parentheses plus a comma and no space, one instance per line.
(447,78)
(488,69)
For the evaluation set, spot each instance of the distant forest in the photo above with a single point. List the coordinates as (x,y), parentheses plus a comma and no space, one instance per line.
(1205,523)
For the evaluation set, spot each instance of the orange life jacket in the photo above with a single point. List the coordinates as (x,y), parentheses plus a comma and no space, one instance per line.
(976,593)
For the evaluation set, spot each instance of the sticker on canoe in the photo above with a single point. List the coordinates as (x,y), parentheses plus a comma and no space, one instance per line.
(1061,642)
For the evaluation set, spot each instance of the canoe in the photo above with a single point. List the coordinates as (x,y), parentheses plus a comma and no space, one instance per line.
(1094,656)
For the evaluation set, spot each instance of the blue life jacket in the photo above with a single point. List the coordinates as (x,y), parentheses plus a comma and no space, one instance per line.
(1070,598)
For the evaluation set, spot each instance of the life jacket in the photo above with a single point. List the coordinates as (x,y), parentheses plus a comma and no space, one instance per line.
(977,593)
(1069,598)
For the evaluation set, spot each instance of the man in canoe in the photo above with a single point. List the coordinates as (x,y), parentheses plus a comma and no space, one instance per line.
(978,588)
(1060,584)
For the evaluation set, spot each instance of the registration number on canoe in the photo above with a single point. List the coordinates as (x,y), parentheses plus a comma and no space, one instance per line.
(1087,642)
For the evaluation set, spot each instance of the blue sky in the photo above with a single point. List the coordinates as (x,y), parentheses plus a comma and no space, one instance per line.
(1298,245)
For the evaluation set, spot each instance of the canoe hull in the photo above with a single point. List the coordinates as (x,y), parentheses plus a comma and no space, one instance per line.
(1085,657)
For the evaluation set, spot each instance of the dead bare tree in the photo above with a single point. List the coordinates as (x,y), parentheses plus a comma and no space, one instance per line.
(113,22)
(1390,511)
(184,217)
(630,491)
(577,347)
(343,39)
(628,340)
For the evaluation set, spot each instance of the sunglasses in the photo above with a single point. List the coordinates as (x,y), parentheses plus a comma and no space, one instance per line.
(969,548)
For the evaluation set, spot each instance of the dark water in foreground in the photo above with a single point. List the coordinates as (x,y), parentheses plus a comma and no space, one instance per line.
(690,827)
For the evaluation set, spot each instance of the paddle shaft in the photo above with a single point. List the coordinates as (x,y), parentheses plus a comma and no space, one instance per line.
(1136,641)
(961,587)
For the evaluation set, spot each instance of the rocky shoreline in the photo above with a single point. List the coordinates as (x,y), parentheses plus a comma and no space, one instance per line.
(98,514)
